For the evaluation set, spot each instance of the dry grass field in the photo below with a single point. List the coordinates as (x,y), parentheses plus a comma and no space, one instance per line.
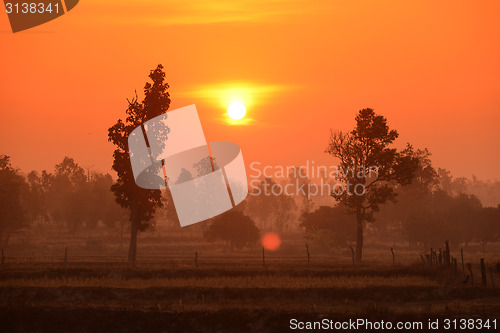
(226,292)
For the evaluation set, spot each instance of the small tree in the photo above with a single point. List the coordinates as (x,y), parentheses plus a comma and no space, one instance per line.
(334,224)
(141,202)
(360,151)
(487,227)
(234,228)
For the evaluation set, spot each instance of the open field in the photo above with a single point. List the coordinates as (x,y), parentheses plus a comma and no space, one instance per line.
(225,292)
(90,296)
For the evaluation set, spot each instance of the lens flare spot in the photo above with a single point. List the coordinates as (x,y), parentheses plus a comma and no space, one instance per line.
(271,241)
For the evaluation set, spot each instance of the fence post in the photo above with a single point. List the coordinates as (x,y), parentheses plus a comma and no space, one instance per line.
(440,257)
(483,272)
(352,252)
(66,257)
(462,255)
(263,258)
(469,267)
(447,256)
(393,258)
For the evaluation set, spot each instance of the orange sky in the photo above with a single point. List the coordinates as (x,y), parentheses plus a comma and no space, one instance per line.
(303,67)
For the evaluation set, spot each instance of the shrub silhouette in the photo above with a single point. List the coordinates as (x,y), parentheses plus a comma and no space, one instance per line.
(234,228)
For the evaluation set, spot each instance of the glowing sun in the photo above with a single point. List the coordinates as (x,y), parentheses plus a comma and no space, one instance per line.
(236,110)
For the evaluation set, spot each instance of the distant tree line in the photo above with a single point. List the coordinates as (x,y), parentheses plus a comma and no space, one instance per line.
(68,198)
(486,191)
(434,207)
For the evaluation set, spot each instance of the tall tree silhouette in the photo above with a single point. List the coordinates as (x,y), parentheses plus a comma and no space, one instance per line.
(366,162)
(141,202)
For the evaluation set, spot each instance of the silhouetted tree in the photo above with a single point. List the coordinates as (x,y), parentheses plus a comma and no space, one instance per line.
(332,225)
(141,202)
(366,162)
(12,212)
(411,199)
(465,211)
(487,227)
(234,228)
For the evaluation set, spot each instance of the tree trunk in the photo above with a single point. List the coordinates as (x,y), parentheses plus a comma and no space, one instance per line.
(4,241)
(132,249)
(134,228)
(121,235)
(359,235)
